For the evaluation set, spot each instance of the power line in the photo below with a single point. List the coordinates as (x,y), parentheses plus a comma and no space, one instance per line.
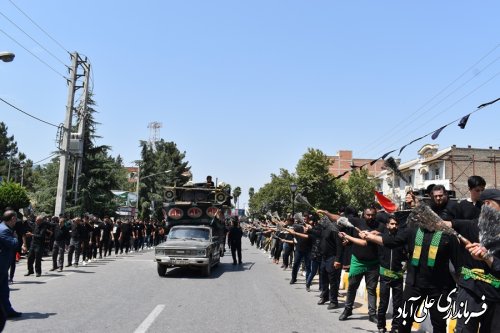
(34,55)
(408,119)
(446,109)
(26,113)
(39,27)
(37,162)
(39,44)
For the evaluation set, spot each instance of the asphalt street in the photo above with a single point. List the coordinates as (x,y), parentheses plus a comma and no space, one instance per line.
(125,294)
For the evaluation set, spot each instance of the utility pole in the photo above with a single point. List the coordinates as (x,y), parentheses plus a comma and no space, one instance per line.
(81,129)
(66,134)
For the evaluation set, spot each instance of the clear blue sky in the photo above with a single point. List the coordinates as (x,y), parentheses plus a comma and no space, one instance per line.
(245,87)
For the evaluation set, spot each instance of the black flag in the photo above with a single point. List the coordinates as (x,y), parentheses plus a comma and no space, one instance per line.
(463,122)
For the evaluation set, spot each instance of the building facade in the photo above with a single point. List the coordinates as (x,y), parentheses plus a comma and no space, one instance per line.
(450,167)
(344,162)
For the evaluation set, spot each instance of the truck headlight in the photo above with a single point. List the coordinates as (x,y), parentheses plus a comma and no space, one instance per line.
(202,253)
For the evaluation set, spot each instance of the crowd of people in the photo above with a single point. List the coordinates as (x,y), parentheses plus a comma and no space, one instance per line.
(440,269)
(68,242)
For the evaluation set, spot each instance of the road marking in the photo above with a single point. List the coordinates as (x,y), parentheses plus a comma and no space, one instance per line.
(58,277)
(150,319)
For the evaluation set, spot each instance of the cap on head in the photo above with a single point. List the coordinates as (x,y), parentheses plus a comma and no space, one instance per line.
(490,194)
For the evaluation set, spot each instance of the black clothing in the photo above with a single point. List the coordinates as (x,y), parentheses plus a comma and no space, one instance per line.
(392,258)
(315,238)
(467,210)
(38,237)
(77,232)
(422,276)
(61,234)
(386,284)
(446,212)
(234,240)
(303,244)
(369,252)
(470,230)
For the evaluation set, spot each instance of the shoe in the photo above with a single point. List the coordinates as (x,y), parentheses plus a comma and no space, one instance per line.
(346,314)
(332,306)
(382,330)
(69,265)
(28,274)
(52,269)
(240,263)
(14,314)
(11,281)
(292,281)
(394,330)
(76,265)
(38,275)
(282,266)
(234,263)
(308,288)
(285,267)
(373,319)
(60,269)
(321,301)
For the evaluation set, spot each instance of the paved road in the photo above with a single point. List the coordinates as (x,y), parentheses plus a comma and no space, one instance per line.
(125,294)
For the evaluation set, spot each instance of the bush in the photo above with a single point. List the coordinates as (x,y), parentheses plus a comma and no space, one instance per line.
(13,195)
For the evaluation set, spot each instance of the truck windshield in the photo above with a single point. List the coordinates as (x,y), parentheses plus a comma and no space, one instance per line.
(196,233)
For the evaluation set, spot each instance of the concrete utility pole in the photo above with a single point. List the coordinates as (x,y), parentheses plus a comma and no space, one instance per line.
(81,129)
(64,147)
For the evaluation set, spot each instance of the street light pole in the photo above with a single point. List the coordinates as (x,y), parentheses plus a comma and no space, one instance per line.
(293,189)
(137,186)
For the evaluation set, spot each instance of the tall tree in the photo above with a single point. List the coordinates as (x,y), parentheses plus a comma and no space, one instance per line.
(317,183)
(157,161)
(360,187)
(8,150)
(236,194)
(275,195)
(99,172)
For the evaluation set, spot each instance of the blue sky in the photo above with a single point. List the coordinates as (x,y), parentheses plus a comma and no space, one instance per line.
(245,87)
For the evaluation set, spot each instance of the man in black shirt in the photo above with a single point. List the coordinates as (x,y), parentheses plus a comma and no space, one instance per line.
(302,252)
(125,236)
(36,249)
(441,204)
(117,231)
(77,230)
(391,277)
(61,234)
(470,208)
(479,282)
(428,272)
(364,263)
(234,239)
(331,260)
(105,241)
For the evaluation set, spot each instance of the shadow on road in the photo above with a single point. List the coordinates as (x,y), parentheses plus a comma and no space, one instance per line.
(222,268)
(34,315)
(29,282)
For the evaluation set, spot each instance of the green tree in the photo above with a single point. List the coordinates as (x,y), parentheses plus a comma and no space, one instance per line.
(13,195)
(156,161)
(236,194)
(275,195)
(44,190)
(251,192)
(100,173)
(359,189)
(316,183)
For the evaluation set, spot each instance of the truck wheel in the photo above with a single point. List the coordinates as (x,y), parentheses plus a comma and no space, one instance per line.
(207,269)
(162,270)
